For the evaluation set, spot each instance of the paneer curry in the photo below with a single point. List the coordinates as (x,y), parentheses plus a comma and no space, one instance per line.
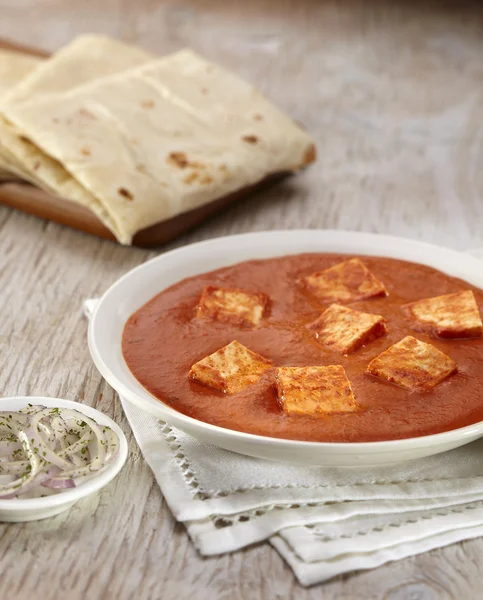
(316,347)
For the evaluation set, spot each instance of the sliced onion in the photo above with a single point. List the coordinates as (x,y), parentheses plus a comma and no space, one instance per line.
(51,447)
(59,484)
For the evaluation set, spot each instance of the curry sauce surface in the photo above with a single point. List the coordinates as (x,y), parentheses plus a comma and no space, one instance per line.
(163,339)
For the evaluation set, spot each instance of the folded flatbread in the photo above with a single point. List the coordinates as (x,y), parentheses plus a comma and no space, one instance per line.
(150,143)
(14,66)
(86,58)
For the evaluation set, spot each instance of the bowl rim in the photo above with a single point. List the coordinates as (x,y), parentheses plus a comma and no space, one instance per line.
(89,487)
(173,416)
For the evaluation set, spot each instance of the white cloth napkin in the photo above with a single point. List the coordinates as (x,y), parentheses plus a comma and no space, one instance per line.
(323,521)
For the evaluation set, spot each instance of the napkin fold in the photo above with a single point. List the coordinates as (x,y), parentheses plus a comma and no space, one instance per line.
(322,521)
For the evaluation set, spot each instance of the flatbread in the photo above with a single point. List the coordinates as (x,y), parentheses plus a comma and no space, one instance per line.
(86,58)
(158,140)
(14,66)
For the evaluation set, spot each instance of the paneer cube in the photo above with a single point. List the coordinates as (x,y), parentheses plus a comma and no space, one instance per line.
(233,305)
(412,364)
(230,369)
(314,391)
(346,282)
(450,316)
(345,330)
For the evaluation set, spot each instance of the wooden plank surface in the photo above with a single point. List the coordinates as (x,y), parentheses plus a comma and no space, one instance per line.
(393,94)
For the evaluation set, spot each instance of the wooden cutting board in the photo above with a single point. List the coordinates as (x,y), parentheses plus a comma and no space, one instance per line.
(29,199)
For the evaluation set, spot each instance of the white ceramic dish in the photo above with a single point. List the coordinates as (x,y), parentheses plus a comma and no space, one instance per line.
(142,283)
(32,509)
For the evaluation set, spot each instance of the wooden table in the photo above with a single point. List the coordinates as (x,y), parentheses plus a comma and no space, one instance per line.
(394,96)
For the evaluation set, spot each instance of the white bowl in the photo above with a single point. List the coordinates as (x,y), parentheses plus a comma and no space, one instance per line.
(32,509)
(141,284)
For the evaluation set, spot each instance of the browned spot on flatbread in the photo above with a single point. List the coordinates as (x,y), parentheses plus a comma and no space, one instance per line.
(196,165)
(36,165)
(225,171)
(191,177)
(250,139)
(178,159)
(87,113)
(148,104)
(310,155)
(206,179)
(125,194)
(56,120)
(258,117)
(204,90)
(24,138)
(85,151)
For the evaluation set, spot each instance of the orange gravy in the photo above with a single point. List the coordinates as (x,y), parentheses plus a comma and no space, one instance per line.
(163,339)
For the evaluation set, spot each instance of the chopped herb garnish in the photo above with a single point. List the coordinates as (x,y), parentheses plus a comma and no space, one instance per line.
(62,434)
